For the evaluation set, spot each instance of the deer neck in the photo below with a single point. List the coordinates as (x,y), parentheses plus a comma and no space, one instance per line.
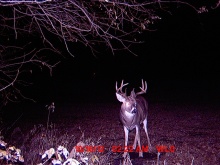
(128,115)
(128,119)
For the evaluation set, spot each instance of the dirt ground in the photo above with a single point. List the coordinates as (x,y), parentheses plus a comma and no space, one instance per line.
(191,128)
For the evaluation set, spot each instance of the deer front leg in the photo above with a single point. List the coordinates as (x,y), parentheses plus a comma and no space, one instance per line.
(135,141)
(126,141)
(138,140)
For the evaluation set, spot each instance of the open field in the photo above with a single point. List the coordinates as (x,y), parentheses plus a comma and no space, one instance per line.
(192,129)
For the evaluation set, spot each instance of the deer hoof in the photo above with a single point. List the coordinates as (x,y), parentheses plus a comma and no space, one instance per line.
(134,147)
(140,154)
(125,154)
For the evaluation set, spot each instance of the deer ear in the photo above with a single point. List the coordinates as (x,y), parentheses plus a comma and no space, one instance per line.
(120,98)
(133,95)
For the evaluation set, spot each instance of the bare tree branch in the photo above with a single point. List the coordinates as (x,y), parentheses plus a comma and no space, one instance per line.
(113,23)
(110,22)
(88,22)
(14,63)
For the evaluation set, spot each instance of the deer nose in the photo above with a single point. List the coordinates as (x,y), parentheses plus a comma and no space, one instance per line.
(134,110)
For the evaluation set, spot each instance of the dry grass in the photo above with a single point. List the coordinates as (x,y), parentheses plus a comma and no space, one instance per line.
(192,129)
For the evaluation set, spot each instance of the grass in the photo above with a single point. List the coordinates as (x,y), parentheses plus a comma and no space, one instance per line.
(192,129)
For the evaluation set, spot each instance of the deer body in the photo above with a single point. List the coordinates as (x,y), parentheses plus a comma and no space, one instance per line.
(133,112)
(131,120)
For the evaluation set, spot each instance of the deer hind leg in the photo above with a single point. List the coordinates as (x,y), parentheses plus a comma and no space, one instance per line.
(145,129)
(126,140)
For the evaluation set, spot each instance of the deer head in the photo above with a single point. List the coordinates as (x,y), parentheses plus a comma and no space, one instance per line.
(129,102)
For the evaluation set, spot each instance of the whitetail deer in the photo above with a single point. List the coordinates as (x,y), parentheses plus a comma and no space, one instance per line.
(133,112)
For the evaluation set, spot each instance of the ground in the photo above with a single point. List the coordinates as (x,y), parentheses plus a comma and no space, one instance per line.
(193,129)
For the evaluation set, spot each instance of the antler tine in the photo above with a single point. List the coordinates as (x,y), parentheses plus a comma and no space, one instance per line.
(120,88)
(143,88)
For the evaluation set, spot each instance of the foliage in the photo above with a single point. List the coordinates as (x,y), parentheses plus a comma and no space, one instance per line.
(50,145)
(10,154)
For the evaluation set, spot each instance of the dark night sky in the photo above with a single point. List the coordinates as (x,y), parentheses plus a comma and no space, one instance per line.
(179,61)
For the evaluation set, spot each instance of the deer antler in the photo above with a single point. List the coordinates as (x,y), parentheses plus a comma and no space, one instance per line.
(119,90)
(143,88)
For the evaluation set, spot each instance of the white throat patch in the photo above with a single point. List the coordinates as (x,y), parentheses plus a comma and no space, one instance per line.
(129,115)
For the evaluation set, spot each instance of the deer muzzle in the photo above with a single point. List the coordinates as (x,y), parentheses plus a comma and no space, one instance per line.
(134,110)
